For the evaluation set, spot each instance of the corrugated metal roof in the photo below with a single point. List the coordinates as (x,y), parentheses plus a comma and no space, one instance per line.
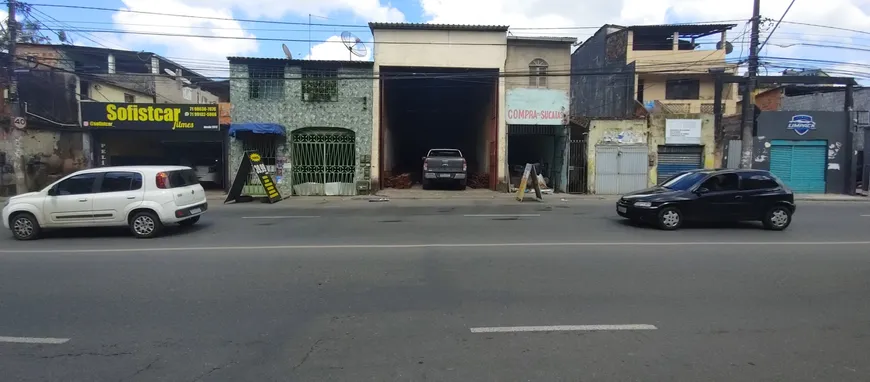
(295,62)
(428,26)
(567,40)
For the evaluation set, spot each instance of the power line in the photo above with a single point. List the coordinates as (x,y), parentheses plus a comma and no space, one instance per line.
(777,25)
(826,27)
(90,8)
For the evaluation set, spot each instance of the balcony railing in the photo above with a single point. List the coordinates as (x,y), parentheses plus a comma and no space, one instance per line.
(695,106)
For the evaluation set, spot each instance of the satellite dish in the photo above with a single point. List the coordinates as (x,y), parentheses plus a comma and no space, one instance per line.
(729,47)
(185,81)
(169,71)
(287,51)
(353,44)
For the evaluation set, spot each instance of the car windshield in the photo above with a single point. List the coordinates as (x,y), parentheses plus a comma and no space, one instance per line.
(444,153)
(683,182)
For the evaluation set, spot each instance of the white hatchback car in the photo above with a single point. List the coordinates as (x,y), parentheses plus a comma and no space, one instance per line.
(145,198)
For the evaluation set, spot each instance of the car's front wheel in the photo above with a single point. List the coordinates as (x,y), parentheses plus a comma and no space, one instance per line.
(189,222)
(777,219)
(670,218)
(145,225)
(24,226)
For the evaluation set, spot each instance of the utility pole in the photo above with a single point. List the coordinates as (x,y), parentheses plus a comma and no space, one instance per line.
(14,106)
(749,90)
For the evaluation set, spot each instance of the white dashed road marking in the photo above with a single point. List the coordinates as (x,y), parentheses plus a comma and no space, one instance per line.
(502,215)
(562,328)
(280,217)
(34,340)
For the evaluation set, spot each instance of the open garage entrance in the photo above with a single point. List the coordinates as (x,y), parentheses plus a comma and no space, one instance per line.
(202,151)
(426,108)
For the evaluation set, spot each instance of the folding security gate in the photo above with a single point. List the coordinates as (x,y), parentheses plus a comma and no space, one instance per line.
(620,169)
(800,164)
(673,159)
(267,146)
(324,162)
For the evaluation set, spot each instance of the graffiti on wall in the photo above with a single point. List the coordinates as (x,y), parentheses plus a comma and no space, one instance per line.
(833,151)
(622,137)
(764,154)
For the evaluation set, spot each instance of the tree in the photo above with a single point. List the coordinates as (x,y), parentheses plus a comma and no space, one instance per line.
(30,31)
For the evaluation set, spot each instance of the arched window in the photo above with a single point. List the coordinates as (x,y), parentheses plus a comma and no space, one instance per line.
(538,73)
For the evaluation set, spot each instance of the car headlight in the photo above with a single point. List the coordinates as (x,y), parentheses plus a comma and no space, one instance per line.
(643,204)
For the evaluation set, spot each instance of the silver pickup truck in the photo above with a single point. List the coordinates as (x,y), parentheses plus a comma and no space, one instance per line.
(444,165)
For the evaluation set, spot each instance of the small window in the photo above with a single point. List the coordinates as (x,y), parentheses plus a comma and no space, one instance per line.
(85,89)
(538,73)
(266,82)
(682,89)
(129,98)
(77,185)
(722,182)
(121,181)
(756,181)
(640,85)
(319,85)
(183,178)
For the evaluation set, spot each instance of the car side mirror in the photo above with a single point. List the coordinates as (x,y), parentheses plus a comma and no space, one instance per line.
(423,158)
(702,190)
(52,191)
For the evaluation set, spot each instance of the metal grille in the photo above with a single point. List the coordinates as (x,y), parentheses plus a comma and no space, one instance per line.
(324,162)
(577,167)
(708,108)
(620,169)
(676,108)
(266,82)
(267,147)
(319,85)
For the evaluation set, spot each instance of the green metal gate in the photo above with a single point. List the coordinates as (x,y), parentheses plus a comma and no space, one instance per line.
(267,147)
(324,161)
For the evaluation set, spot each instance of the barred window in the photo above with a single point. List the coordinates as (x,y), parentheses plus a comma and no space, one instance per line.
(538,73)
(266,82)
(319,85)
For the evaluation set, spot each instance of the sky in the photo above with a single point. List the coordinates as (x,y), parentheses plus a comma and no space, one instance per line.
(259,27)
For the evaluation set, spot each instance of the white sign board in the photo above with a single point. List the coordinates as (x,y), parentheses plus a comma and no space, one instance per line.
(683,132)
(536,106)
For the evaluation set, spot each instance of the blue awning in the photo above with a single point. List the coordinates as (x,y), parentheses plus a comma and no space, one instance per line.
(257,128)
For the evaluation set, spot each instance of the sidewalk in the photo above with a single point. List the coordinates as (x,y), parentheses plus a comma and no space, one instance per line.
(478,197)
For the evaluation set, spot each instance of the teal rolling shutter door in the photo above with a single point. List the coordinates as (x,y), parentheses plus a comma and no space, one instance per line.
(800,164)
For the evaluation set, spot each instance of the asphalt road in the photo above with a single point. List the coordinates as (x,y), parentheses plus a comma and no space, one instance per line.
(420,294)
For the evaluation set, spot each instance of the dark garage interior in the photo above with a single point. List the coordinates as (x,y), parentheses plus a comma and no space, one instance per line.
(449,109)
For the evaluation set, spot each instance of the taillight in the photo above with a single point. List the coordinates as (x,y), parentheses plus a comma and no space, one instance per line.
(425,166)
(162,180)
(464,165)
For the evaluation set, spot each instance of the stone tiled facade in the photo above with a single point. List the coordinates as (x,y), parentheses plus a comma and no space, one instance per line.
(352,110)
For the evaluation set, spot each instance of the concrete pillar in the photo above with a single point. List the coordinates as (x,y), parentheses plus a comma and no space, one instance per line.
(111,62)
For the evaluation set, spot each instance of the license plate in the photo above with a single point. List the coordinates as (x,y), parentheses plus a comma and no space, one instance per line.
(195,210)
(621,209)
(445,175)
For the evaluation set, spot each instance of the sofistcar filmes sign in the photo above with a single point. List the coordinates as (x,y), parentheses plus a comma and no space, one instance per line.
(150,116)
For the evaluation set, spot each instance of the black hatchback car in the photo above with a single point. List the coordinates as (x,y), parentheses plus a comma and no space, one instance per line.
(712,196)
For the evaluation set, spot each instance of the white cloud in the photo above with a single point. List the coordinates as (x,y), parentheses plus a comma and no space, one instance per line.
(334,49)
(588,13)
(204,55)
(368,10)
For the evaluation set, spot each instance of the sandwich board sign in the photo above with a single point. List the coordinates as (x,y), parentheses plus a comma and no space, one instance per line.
(530,174)
(253,162)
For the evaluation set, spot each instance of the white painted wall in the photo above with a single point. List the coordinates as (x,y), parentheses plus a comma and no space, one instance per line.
(440,49)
